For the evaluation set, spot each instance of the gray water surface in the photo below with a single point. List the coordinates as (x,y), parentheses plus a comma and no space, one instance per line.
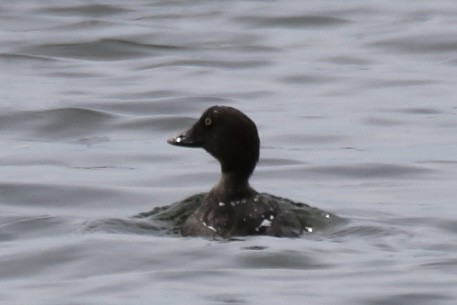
(356,105)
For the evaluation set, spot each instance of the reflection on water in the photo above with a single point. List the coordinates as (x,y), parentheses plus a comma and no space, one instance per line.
(355,105)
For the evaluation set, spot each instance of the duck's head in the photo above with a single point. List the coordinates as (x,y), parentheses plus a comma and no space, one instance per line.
(228,135)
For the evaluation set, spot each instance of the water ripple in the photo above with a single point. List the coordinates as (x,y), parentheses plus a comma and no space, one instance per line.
(372,171)
(55,123)
(101,49)
(423,43)
(85,10)
(293,22)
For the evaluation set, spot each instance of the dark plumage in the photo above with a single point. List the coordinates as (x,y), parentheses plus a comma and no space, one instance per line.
(233,207)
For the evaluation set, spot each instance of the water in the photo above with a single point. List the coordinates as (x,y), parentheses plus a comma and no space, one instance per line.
(356,106)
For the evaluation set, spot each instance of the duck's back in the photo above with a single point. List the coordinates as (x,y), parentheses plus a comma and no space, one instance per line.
(260,214)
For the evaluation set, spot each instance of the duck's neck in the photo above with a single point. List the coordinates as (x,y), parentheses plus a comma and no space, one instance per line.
(233,186)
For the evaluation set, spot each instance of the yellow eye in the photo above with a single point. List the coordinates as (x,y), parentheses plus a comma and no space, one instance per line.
(208,121)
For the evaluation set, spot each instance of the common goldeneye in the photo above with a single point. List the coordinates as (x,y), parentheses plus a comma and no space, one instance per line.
(233,207)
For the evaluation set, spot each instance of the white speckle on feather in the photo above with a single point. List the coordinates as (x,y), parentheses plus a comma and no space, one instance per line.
(221,204)
(210,227)
(264,223)
(309,229)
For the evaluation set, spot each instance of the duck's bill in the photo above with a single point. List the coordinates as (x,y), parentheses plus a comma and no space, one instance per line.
(185,139)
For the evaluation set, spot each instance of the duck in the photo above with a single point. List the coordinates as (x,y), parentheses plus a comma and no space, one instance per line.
(232,207)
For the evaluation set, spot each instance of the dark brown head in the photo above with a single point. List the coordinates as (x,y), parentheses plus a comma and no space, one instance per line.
(228,135)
